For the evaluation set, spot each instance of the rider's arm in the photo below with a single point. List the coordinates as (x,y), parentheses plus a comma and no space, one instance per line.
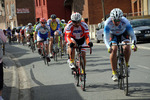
(130,31)
(106,36)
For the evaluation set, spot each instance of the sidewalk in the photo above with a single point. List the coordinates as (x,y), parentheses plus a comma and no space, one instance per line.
(10,90)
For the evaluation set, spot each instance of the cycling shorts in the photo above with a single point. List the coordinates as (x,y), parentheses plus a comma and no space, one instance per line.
(81,42)
(52,32)
(119,38)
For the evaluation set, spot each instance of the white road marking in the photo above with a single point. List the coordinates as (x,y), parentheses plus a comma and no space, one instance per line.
(141,66)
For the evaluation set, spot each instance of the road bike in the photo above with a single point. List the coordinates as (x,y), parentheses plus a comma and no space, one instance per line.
(122,69)
(80,73)
(44,53)
(32,45)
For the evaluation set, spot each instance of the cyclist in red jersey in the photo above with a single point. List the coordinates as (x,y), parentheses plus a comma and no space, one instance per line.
(77,33)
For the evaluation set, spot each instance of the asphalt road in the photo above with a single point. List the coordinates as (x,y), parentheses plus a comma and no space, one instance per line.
(55,82)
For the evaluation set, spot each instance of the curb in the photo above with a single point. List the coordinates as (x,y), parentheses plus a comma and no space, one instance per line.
(20,84)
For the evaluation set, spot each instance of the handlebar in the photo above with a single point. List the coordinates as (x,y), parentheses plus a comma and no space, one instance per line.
(82,47)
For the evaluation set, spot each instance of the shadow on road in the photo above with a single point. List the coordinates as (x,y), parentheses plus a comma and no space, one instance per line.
(55,92)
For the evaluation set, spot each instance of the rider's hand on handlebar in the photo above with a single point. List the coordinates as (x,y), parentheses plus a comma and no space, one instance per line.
(35,41)
(71,45)
(48,38)
(90,44)
(134,48)
(110,50)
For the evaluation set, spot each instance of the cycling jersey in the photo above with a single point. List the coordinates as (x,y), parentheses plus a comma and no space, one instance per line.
(54,26)
(29,30)
(110,28)
(42,32)
(77,32)
(8,32)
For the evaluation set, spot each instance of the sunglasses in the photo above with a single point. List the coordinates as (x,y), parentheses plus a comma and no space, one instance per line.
(43,23)
(116,20)
(76,22)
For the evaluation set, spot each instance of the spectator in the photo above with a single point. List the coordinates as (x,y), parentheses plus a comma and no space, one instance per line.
(3,39)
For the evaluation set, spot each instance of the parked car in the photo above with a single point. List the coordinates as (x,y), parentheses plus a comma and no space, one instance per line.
(141,28)
(99,32)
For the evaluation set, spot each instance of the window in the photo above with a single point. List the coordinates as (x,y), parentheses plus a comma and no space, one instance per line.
(36,2)
(39,2)
(43,2)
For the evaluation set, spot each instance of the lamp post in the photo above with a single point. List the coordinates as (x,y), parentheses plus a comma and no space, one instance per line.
(102,1)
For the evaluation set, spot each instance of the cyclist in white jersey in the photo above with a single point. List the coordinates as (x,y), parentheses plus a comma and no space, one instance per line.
(118,29)
(29,32)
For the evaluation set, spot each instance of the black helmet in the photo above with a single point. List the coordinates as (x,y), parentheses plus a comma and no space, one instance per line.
(53,16)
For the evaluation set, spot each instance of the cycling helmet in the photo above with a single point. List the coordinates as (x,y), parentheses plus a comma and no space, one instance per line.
(76,17)
(53,16)
(43,20)
(62,21)
(116,13)
(29,24)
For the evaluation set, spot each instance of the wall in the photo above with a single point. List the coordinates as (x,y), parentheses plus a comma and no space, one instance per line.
(25,18)
(58,8)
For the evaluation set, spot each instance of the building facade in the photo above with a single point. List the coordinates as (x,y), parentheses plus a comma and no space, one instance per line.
(140,7)
(2,15)
(44,8)
(92,9)
(19,12)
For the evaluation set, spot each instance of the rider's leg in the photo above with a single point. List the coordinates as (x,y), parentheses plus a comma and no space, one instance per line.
(127,52)
(72,51)
(47,49)
(28,39)
(113,59)
(84,57)
(56,34)
(51,44)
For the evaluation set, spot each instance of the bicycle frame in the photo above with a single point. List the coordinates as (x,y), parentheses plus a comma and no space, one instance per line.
(122,69)
(44,53)
(79,63)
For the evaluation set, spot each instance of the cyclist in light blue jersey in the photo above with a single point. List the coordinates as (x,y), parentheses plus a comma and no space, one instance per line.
(118,29)
(42,32)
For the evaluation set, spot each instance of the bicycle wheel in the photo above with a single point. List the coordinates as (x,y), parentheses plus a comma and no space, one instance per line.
(76,74)
(44,56)
(126,80)
(120,76)
(83,75)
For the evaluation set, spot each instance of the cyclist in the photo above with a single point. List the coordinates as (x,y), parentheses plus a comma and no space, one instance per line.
(77,33)
(17,33)
(118,29)
(22,33)
(62,26)
(54,24)
(3,39)
(42,32)
(9,34)
(29,33)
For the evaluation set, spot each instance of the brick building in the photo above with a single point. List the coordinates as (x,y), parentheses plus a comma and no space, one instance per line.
(44,8)
(92,9)
(19,12)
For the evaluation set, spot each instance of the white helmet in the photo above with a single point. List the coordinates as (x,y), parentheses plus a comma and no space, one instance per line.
(116,13)
(76,17)
(63,21)
(29,24)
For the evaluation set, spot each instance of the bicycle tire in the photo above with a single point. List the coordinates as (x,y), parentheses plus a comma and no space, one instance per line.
(82,67)
(126,80)
(76,75)
(44,56)
(120,79)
